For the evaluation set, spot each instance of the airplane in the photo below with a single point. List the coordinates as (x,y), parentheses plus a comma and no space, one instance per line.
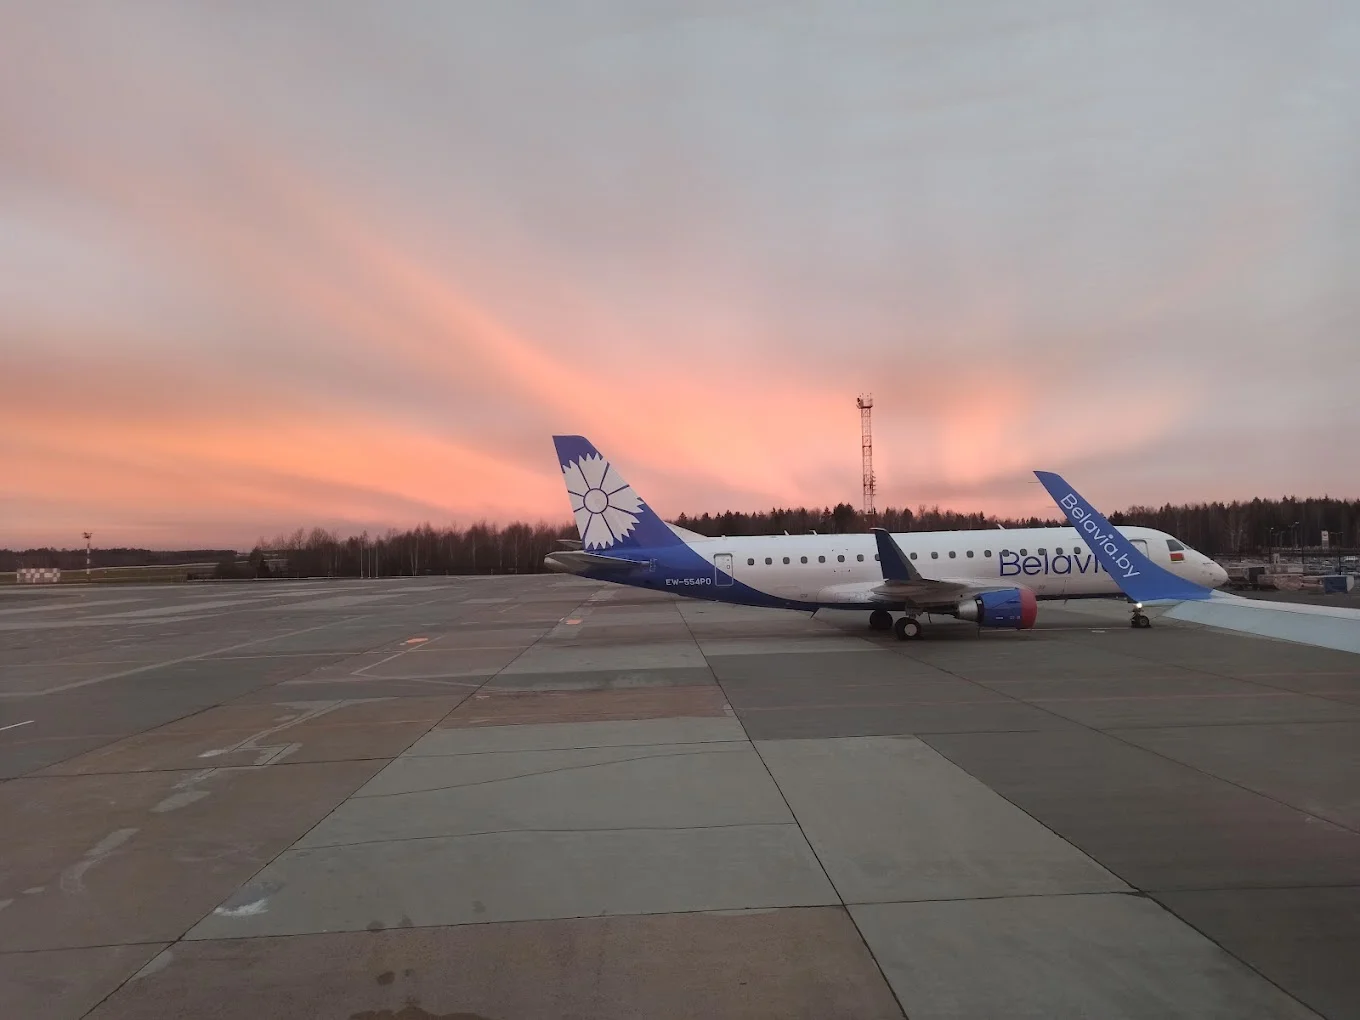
(992,578)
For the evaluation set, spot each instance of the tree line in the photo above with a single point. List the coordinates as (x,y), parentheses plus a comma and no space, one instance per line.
(480,548)
(1218,529)
(74,559)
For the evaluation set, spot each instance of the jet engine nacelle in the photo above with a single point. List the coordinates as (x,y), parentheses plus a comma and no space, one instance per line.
(1011,607)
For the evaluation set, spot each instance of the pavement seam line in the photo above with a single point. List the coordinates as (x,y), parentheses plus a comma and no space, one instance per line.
(187,715)
(17,695)
(883,974)
(533,832)
(1138,747)
(328,814)
(181,937)
(550,772)
(1138,889)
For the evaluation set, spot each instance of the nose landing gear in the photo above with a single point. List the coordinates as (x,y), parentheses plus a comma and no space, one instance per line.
(1139,620)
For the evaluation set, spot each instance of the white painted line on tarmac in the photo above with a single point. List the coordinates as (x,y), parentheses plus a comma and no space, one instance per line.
(169,662)
(15,725)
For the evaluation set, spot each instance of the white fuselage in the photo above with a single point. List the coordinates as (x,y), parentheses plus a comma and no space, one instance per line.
(1052,562)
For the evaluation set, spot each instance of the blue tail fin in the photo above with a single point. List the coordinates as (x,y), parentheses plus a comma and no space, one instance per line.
(1137,576)
(609,515)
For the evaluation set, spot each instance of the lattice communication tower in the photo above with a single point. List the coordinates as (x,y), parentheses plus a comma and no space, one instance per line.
(866,431)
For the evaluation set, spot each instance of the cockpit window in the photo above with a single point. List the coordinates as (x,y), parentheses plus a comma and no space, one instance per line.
(1174,546)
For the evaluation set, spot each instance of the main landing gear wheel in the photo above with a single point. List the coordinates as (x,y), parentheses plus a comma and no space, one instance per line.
(1139,621)
(880,619)
(907,629)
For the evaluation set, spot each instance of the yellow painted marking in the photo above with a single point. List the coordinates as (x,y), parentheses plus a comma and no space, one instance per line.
(416,640)
(571,621)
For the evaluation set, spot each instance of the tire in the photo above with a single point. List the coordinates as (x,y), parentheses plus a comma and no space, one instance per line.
(880,619)
(907,629)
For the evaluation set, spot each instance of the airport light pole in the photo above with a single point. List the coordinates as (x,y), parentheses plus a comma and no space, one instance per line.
(88,535)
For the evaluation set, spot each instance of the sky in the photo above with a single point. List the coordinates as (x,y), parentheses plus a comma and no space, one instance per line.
(269,265)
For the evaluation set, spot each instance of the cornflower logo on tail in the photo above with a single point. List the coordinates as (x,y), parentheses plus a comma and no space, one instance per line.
(605,506)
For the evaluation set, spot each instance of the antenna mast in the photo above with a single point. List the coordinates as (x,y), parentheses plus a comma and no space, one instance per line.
(866,432)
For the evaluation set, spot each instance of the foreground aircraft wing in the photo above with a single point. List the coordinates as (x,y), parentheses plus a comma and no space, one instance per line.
(1145,582)
(1137,576)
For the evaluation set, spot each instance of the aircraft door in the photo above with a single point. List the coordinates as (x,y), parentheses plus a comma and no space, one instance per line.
(722,569)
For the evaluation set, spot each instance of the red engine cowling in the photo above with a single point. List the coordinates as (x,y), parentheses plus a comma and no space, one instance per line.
(1015,608)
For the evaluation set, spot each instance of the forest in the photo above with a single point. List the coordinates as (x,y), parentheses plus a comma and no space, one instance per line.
(1237,528)
(1218,529)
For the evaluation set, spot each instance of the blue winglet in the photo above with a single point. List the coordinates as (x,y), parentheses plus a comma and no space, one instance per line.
(1137,576)
(895,566)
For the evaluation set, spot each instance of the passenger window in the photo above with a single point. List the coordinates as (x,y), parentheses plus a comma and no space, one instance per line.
(953,555)
(1024,552)
(860,557)
(821,559)
(1058,551)
(840,559)
(768,561)
(1041,552)
(876,557)
(970,554)
(987,553)
(786,559)
(913,556)
(802,559)
(751,563)
(934,556)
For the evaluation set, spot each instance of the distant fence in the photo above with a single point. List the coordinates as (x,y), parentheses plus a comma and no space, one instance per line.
(37,575)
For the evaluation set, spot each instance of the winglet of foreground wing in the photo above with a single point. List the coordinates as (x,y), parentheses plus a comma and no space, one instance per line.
(1137,576)
(896,567)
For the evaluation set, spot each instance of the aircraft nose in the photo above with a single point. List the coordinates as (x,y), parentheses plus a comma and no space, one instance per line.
(1217,575)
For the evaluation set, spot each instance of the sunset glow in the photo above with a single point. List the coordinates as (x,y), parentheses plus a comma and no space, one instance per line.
(268,270)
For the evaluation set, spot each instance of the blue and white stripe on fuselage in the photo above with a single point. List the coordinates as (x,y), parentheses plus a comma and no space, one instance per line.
(841,571)
(625,542)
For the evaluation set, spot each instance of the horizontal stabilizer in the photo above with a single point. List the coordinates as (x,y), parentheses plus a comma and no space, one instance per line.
(575,561)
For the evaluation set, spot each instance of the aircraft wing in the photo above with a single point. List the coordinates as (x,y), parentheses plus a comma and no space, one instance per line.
(1148,584)
(930,593)
(904,585)
(935,592)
